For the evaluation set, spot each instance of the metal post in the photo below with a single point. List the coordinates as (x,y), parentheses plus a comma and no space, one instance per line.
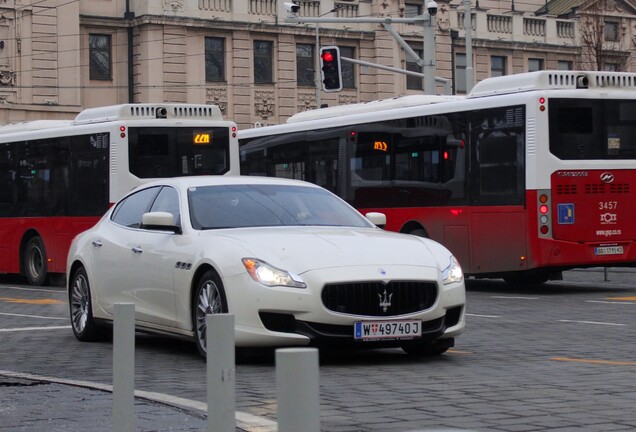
(124,368)
(298,390)
(317,68)
(468,27)
(220,373)
(429,69)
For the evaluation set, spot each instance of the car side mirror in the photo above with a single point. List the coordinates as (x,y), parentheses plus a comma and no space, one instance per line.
(159,221)
(377,219)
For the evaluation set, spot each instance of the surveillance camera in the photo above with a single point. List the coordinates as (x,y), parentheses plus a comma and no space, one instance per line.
(432,8)
(292,7)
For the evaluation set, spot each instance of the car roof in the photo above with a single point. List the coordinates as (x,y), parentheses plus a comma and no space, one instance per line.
(198,181)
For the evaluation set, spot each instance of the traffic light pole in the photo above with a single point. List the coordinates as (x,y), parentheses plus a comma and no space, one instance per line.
(425,20)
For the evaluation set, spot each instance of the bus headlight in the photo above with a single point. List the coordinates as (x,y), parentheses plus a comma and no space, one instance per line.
(453,273)
(271,276)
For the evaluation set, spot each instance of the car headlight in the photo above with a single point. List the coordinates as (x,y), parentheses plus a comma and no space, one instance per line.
(271,276)
(452,273)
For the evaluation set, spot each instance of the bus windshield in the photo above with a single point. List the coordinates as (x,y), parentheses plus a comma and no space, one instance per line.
(157,152)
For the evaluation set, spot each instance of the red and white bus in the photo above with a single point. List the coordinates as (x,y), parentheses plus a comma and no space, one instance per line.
(57,178)
(527,176)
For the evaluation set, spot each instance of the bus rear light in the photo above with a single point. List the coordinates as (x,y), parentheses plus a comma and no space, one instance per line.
(541,104)
(543,210)
(233,131)
(122,130)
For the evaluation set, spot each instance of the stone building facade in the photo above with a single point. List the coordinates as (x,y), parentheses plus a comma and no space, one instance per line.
(59,57)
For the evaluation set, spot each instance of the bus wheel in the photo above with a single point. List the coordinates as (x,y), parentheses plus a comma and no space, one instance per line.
(34,260)
(80,306)
(209,298)
(419,232)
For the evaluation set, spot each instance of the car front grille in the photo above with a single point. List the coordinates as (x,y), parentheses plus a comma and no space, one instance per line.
(376,298)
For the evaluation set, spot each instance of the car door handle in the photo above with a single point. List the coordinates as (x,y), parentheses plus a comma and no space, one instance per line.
(137,249)
(97,243)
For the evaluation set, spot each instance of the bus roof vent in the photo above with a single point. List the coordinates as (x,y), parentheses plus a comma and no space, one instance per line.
(546,80)
(367,107)
(149,111)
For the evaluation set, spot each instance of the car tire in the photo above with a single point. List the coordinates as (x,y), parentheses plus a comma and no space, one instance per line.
(209,298)
(80,306)
(431,348)
(34,260)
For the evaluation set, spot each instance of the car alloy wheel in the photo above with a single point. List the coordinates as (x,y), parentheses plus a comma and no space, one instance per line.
(209,300)
(82,321)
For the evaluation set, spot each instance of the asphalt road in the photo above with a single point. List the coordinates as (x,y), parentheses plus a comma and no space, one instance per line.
(560,357)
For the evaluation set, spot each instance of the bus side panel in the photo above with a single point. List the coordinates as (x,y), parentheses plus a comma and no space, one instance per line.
(9,245)
(56,233)
(500,243)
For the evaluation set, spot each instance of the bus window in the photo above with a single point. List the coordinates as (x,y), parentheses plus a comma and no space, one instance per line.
(497,159)
(300,156)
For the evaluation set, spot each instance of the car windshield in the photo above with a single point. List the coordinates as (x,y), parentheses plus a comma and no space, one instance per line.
(234,206)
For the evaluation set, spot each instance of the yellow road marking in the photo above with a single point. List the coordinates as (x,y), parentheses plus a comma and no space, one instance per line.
(622,298)
(31,301)
(454,351)
(603,362)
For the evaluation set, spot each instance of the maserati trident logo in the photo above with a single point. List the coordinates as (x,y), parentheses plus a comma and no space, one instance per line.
(385,300)
(607,177)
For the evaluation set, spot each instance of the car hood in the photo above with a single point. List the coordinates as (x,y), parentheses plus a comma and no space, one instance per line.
(304,248)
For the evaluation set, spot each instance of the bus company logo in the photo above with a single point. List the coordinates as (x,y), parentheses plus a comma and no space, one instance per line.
(385,300)
(608,218)
(607,177)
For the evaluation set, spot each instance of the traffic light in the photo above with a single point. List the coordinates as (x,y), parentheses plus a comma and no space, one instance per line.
(330,70)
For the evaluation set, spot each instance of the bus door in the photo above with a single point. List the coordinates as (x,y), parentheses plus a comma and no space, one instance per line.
(497,190)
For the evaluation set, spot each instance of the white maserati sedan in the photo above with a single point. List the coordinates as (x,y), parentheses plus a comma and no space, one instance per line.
(293,263)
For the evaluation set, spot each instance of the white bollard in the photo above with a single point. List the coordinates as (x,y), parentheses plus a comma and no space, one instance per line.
(124,368)
(298,390)
(220,372)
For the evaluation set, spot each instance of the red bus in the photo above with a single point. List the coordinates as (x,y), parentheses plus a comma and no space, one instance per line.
(529,175)
(57,178)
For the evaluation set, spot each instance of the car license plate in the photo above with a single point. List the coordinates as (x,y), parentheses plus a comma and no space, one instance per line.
(374,330)
(608,250)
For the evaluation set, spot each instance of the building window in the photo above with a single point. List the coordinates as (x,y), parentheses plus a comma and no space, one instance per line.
(460,73)
(411,10)
(565,65)
(497,66)
(347,68)
(610,31)
(305,65)
(214,59)
(99,46)
(535,64)
(263,71)
(610,67)
(414,82)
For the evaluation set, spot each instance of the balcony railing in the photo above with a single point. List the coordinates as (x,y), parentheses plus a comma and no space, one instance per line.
(262,7)
(517,27)
(499,24)
(216,5)
(534,27)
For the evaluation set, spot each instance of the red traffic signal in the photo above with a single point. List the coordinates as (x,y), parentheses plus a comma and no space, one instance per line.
(330,69)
